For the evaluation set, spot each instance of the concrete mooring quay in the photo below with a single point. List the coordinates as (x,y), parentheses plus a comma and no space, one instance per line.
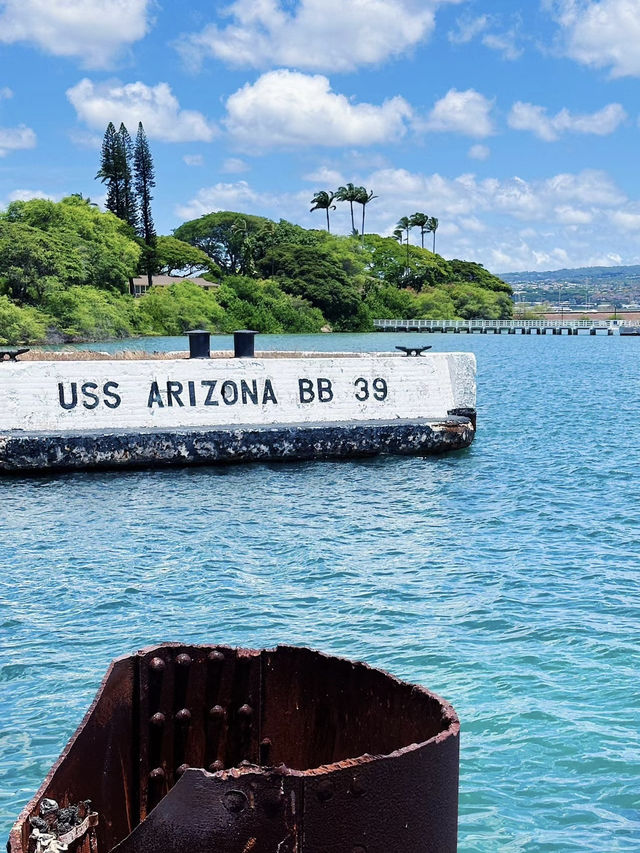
(511,327)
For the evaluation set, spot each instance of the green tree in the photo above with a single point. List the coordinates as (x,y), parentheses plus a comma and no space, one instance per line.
(216,234)
(182,306)
(349,193)
(263,305)
(363,198)
(324,278)
(21,324)
(144,182)
(389,261)
(433,227)
(86,313)
(435,303)
(387,302)
(405,224)
(421,221)
(112,165)
(46,244)
(174,257)
(129,205)
(473,273)
(33,261)
(322,200)
(473,301)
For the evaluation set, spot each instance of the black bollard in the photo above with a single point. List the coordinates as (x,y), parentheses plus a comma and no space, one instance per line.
(199,344)
(244,343)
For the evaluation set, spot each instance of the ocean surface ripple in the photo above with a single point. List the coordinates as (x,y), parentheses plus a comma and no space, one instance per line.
(504,577)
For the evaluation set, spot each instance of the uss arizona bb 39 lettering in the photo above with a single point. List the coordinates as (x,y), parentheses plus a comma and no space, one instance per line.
(212,392)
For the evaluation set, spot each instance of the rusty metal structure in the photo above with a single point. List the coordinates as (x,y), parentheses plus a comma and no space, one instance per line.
(202,749)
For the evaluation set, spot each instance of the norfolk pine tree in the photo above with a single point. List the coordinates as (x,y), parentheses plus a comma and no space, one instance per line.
(110,170)
(129,206)
(144,182)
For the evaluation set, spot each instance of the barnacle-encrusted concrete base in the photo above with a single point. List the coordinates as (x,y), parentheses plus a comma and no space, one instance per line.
(123,448)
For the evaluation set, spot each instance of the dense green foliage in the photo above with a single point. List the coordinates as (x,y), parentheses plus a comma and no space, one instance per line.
(65,269)
(46,245)
(174,257)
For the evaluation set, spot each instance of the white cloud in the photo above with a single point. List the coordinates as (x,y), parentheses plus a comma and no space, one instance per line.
(193,159)
(5,93)
(85,139)
(602,34)
(16,139)
(504,43)
(27,195)
(626,220)
(466,112)
(94,31)
(479,152)
(564,220)
(155,106)
(563,215)
(468,29)
(235,166)
(286,108)
(569,215)
(525,116)
(326,176)
(317,35)
(472,223)
(239,196)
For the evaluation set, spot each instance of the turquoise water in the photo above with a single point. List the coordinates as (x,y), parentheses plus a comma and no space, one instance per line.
(504,577)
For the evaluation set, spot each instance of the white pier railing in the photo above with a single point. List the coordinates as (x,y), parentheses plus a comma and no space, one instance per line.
(571,327)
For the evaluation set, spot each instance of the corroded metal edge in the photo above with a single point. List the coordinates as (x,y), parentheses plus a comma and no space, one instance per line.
(451,721)
(15,842)
(449,732)
(45,451)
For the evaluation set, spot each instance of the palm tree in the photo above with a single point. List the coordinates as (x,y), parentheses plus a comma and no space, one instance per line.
(364,197)
(433,226)
(421,221)
(405,224)
(349,193)
(398,235)
(322,200)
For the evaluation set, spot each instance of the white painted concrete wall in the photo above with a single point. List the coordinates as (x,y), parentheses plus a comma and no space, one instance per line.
(77,395)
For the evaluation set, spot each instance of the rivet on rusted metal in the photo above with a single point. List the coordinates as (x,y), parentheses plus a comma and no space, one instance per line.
(217,712)
(325,790)
(357,788)
(183,660)
(245,711)
(180,770)
(265,751)
(157,664)
(235,801)
(183,715)
(158,719)
(216,766)
(216,656)
(157,773)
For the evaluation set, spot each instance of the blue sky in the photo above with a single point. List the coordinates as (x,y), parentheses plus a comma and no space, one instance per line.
(516,124)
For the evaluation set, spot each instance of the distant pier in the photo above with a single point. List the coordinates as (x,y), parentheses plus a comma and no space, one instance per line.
(511,327)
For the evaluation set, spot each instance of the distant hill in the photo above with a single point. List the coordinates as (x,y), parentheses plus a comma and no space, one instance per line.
(602,276)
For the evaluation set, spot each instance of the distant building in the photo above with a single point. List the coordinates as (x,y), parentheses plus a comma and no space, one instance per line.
(141,283)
